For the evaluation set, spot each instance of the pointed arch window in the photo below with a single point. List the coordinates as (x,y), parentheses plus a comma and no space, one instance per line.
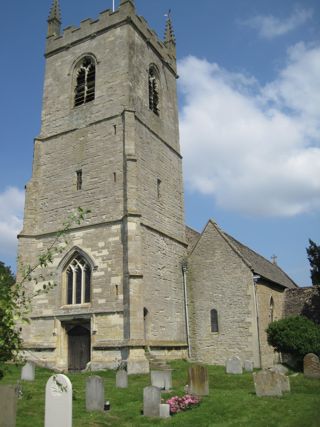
(271,310)
(78,281)
(154,90)
(85,82)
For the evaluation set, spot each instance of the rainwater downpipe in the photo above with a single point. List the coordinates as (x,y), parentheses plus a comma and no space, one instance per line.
(255,281)
(184,274)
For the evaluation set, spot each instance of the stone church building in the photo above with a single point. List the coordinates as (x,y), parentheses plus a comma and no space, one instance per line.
(133,280)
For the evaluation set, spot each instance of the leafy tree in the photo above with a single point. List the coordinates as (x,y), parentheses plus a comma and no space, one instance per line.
(16,297)
(313,252)
(294,335)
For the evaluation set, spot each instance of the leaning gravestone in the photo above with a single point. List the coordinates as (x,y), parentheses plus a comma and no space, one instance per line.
(234,365)
(267,383)
(248,365)
(8,406)
(162,379)
(311,366)
(94,394)
(151,401)
(198,380)
(28,372)
(58,406)
(122,379)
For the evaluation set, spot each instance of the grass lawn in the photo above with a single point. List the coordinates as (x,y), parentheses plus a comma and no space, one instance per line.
(232,402)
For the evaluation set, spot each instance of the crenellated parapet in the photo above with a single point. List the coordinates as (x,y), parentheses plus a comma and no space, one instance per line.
(108,21)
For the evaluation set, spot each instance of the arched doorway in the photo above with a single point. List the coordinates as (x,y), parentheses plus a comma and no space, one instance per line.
(79,343)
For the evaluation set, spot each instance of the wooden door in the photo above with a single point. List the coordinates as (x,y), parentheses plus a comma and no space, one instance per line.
(79,348)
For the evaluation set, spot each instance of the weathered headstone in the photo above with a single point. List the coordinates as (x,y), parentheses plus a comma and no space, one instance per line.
(311,366)
(122,379)
(267,383)
(94,394)
(58,406)
(248,365)
(198,380)
(284,382)
(8,406)
(280,368)
(164,410)
(151,401)
(162,379)
(28,372)
(234,365)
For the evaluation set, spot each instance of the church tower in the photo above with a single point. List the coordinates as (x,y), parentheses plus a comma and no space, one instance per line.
(109,142)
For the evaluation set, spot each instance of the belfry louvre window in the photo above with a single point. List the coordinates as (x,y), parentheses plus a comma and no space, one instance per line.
(85,82)
(78,278)
(214,320)
(153,90)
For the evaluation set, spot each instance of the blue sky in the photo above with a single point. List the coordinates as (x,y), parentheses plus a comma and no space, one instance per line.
(249,99)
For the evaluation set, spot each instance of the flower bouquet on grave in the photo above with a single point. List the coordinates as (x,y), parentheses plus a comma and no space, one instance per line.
(179,404)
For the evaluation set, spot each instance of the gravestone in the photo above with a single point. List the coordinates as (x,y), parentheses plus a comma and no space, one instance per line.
(311,366)
(234,365)
(58,405)
(280,368)
(8,406)
(284,382)
(151,401)
(162,379)
(122,379)
(94,394)
(267,383)
(198,381)
(28,372)
(164,410)
(248,365)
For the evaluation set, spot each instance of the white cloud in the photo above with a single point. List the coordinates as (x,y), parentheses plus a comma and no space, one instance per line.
(255,149)
(269,26)
(11,212)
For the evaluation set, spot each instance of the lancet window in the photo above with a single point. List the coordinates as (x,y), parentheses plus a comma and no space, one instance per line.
(214,320)
(153,90)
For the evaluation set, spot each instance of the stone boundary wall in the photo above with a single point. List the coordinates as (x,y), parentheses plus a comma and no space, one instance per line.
(303,302)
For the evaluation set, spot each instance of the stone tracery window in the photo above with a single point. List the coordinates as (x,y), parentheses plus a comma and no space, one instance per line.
(85,82)
(153,89)
(78,280)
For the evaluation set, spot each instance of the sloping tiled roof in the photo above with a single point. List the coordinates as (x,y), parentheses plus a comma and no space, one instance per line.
(260,265)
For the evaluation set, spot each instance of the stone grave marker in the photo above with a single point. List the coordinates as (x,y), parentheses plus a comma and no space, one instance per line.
(234,365)
(151,401)
(58,403)
(311,366)
(28,372)
(284,382)
(122,379)
(248,365)
(267,383)
(164,410)
(8,406)
(94,394)
(198,380)
(162,379)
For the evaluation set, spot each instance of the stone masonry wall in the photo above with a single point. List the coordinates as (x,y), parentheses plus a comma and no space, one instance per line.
(219,279)
(163,289)
(264,294)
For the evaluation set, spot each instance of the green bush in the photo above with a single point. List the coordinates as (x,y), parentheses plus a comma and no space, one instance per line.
(296,336)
